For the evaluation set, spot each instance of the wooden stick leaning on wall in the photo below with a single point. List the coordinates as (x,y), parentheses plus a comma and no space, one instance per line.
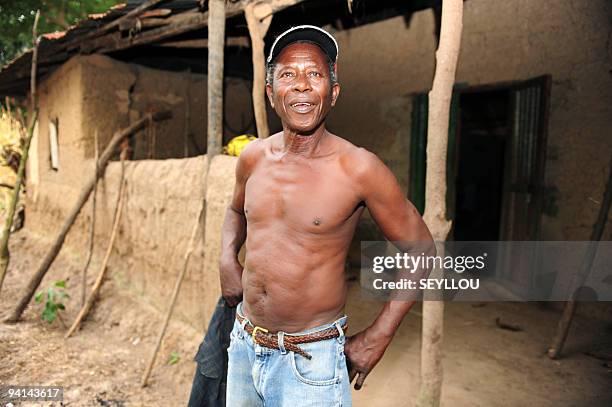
(85,192)
(109,249)
(556,347)
(447,56)
(177,288)
(92,226)
(33,116)
(257,30)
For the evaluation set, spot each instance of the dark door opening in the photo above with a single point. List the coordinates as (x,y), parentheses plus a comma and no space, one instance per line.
(483,139)
(495,160)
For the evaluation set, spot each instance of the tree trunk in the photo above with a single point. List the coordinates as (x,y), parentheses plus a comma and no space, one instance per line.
(216,38)
(435,194)
(257,31)
(86,191)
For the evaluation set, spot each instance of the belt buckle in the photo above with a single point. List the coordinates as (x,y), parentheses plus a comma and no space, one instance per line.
(258,328)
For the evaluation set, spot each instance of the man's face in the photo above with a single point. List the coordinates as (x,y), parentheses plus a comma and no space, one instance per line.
(301,92)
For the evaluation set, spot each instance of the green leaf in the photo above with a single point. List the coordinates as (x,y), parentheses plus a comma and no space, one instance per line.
(48,315)
(175,357)
(50,295)
(60,306)
(38,297)
(60,283)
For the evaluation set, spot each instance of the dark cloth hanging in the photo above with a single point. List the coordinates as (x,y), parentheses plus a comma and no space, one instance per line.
(210,379)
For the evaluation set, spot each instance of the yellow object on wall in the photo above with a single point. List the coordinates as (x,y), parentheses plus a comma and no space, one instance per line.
(237,144)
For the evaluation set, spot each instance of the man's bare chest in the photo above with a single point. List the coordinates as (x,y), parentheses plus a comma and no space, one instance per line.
(315,199)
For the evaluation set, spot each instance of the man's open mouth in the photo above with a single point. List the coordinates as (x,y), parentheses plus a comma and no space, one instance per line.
(302,107)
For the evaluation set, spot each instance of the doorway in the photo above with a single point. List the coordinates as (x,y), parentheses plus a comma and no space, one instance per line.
(495,159)
(483,138)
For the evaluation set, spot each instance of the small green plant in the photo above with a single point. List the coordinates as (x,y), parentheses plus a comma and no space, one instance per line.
(53,303)
(175,357)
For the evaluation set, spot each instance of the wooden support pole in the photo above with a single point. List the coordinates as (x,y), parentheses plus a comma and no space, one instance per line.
(187,117)
(257,30)
(556,347)
(33,116)
(85,192)
(216,44)
(92,226)
(430,391)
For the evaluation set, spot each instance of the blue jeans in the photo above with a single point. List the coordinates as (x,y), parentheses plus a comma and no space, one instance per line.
(260,376)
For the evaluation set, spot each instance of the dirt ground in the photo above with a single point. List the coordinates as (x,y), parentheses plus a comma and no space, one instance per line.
(102,364)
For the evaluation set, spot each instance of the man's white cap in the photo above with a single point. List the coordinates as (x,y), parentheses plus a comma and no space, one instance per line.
(305,33)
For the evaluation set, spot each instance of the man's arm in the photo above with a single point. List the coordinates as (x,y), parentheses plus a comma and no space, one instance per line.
(402,224)
(234,230)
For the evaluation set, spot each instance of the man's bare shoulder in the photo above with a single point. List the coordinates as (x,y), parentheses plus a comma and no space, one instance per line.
(252,154)
(357,162)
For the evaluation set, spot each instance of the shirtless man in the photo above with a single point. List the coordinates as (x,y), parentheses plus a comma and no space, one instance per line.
(297,200)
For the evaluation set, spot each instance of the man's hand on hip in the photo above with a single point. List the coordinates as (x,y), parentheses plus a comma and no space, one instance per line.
(363,351)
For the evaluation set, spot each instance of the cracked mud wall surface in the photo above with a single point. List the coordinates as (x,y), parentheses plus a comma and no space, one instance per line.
(117,94)
(381,64)
(97,94)
(161,203)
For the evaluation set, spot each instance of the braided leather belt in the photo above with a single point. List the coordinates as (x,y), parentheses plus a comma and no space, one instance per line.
(266,339)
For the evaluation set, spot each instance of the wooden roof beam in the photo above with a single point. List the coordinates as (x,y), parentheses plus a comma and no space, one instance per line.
(183,23)
(130,15)
(203,43)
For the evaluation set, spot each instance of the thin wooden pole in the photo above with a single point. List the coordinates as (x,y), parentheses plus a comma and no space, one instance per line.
(33,116)
(177,288)
(109,249)
(430,391)
(187,114)
(556,346)
(92,226)
(216,43)
(85,192)
(257,31)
